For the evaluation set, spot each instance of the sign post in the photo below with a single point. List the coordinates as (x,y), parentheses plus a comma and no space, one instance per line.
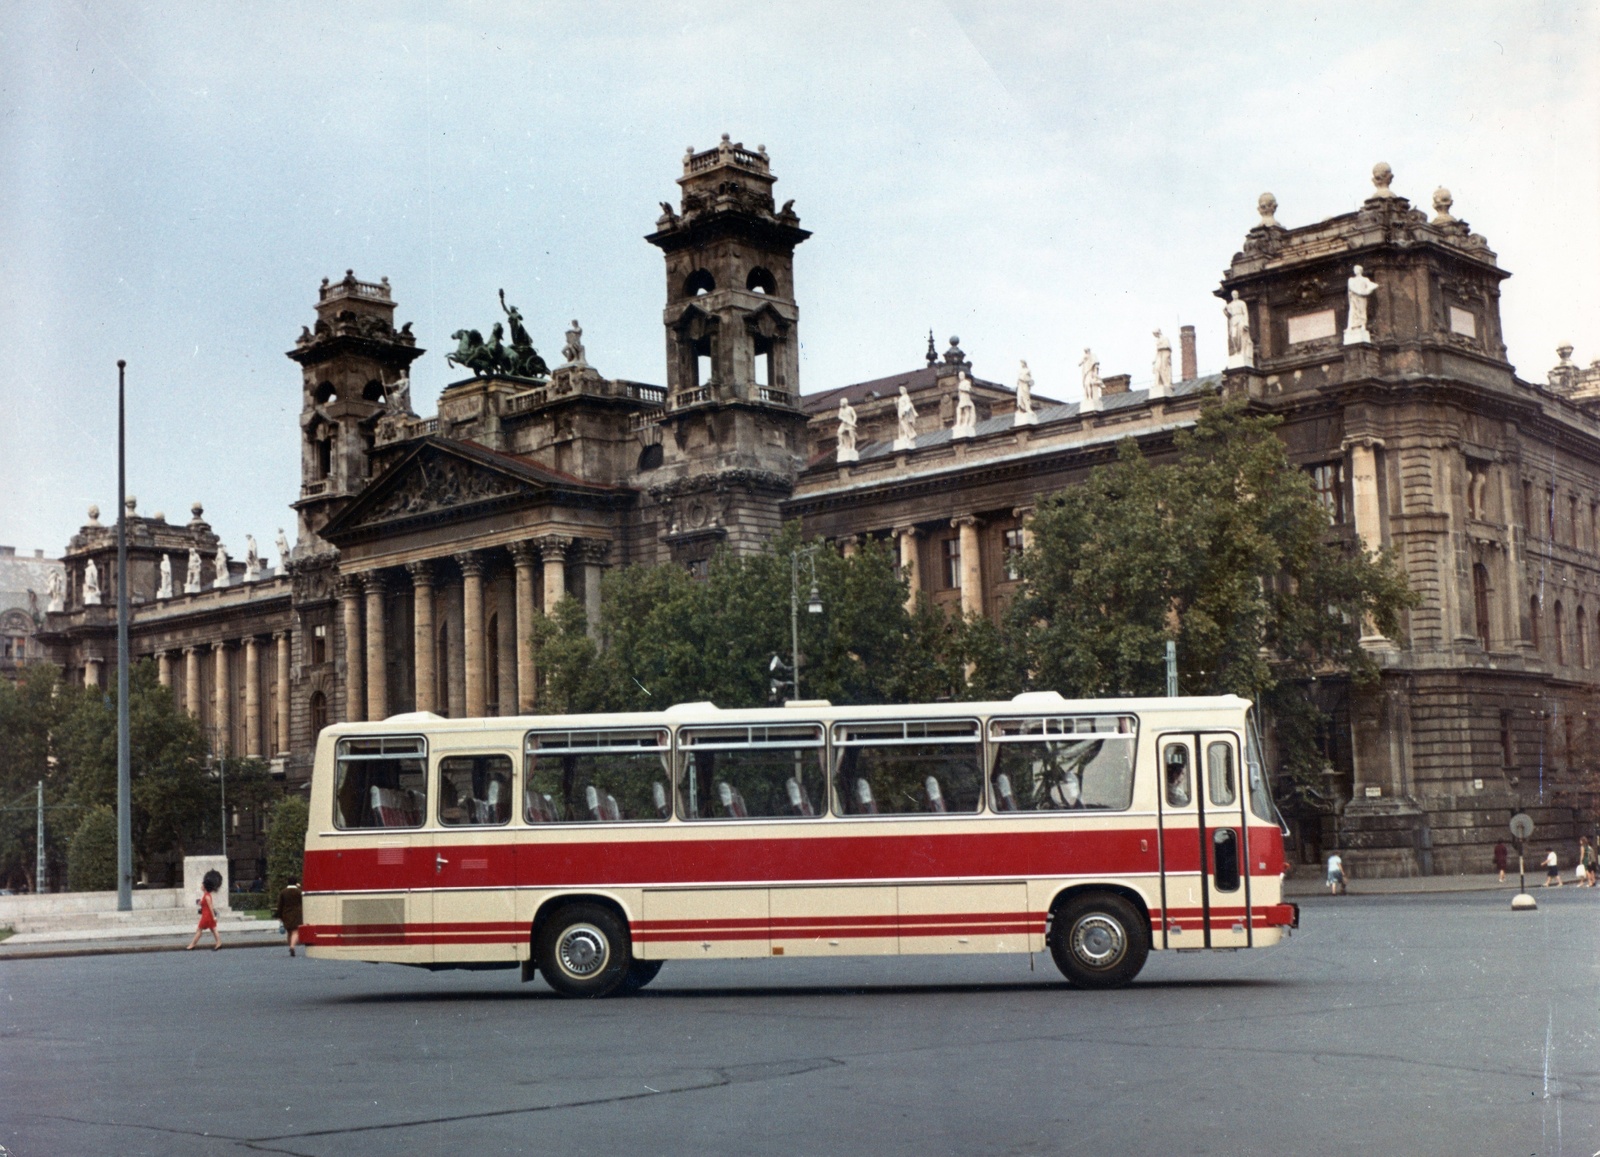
(1521,829)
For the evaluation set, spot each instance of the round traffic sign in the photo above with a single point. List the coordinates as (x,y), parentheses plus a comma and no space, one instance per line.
(1522,825)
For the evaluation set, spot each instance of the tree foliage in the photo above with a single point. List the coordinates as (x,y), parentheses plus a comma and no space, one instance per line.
(30,709)
(286,844)
(92,858)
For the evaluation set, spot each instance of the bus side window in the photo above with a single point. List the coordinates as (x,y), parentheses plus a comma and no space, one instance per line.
(1175,768)
(751,772)
(595,777)
(902,768)
(1219,773)
(474,790)
(381,782)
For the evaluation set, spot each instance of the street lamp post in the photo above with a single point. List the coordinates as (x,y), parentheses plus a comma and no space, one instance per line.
(813,604)
(124,773)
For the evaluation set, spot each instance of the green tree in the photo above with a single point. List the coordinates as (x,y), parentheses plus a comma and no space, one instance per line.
(286,844)
(92,860)
(30,710)
(173,796)
(1225,550)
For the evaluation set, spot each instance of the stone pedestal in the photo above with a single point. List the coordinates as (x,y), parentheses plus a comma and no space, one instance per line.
(195,869)
(1383,837)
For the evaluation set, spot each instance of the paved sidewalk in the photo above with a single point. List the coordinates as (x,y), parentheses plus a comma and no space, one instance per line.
(1309,881)
(237,932)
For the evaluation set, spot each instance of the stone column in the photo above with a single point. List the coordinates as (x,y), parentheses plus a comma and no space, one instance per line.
(1510,594)
(285,642)
(355,650)
(971,566)
(252,697)
(191,680)
(422,636)
(524,556)
(591,554)
(1368,511)
(223,685)
(91,673)
(1024,517)
(377,648)
(908,563)
(553,550)
(849,545)
(164,668)
(472,629)
(505,619)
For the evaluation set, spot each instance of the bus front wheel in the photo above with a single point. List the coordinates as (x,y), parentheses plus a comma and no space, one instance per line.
(1098,941)
(583,950)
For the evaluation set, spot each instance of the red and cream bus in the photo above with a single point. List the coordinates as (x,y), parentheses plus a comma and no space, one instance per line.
(591,848)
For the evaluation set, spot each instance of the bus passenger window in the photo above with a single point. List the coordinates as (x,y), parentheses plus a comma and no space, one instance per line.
(381,782)
(1225,862)
(1175,762)
(743,772)
(595,776)
(1064,764)
(1219,773)
(475,789)
(908,767)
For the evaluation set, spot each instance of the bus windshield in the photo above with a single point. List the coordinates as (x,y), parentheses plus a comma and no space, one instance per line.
(1260,793)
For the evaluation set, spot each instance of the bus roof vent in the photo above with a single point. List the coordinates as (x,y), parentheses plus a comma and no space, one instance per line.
(691,708)
(1039,699)
(414,717)
(807,703)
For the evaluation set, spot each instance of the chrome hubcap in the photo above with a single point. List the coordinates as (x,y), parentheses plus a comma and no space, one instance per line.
(583,951)
(1098,940)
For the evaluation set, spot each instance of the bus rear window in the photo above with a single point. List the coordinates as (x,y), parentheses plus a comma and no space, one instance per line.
(897,768)
(381,782)
(1062,764)
(596,777)
(759,772)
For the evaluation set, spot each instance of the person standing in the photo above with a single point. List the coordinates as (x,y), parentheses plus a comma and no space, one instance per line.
(1335,873)
(1552,870)
(1501,855)
(291,912)
(1587,862)
(208,912)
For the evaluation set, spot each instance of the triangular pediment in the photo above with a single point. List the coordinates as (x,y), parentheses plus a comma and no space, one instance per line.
(438,478)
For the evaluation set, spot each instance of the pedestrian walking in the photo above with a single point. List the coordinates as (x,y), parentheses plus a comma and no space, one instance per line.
(1587,862)
(208,912)
(290,913)
(1552,870)
(1501,855)
(1335,873)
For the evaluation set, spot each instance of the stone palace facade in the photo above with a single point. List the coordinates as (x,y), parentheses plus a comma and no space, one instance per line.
(426,545)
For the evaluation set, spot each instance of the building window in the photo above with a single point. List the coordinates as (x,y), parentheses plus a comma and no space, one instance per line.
(700,568)
(1572,521)
(319,713)
(1533,622)
(1014,554)
(1480,601)
(1560,633)
(952,563)
(319,643)
(1580,637)
(1327,479)
(1508,751)
(1548,516)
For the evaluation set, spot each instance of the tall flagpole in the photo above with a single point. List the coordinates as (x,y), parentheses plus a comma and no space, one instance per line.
(124,777)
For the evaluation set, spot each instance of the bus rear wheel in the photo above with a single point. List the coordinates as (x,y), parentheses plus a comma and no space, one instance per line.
(583,950)
(1098,941)
(640,973)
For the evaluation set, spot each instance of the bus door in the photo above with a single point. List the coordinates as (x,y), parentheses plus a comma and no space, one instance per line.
(1183,878)
(1221,801)
(474,860)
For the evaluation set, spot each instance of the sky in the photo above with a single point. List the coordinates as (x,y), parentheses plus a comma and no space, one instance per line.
(176,180)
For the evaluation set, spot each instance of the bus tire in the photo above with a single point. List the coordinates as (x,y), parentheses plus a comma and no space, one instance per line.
(639,974)
(584,950)
(1098,941)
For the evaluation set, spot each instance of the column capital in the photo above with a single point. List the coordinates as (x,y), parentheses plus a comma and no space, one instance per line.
(524,554)
(250,640)
(375,582)
(907,531)
(963,520)
(1363,441)
(280,636)
(192,649)
(472,563)
(1023,513)
(593,551)
(553,547)
(421,572)
(221,644)
(351,585)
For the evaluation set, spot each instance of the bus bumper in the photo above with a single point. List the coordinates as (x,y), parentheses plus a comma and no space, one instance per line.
(1283,916)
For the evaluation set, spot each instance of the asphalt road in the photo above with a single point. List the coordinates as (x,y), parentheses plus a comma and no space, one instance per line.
(1388,1025)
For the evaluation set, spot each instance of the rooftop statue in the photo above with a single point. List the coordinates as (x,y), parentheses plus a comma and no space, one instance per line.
(221,579)
(56,589)
(1357,290)
(573,350)
(283,549)
(1024,415)
(966,423)
(494,357)
(1241,347)
(191,577)
(906,437)
(1093,387)
(252,559)
(164,591)
(847,432)
(91,584)
(1161,368)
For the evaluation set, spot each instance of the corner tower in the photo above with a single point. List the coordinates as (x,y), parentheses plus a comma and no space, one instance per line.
(736,435)
(355,367)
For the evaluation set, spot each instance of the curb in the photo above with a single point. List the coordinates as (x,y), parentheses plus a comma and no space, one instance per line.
(44,952)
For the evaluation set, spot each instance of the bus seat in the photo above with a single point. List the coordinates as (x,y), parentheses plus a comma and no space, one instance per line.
(591,798)
(797,798)
(1002,789)
(867,805)
(609,810)
(930,787)
(389,808)
(541,809)
(658,796)
(732,801)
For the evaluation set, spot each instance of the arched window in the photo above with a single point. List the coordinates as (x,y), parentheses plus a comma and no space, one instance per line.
(651,456)
(1560,633)
(324,393)
(373,391)
(699,282)
(1480,602)
(761,281)
(319,713)
(1580,637)
(1533,622)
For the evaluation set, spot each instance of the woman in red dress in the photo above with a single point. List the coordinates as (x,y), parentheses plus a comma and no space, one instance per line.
(208,912)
